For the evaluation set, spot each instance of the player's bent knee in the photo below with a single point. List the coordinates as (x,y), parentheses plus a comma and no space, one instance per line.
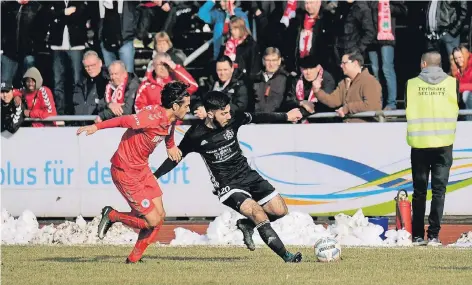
(153,219)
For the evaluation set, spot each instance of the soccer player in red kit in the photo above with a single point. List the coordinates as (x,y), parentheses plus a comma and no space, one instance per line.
(130,169)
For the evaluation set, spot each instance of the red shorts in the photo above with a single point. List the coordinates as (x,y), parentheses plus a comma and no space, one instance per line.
(138,188)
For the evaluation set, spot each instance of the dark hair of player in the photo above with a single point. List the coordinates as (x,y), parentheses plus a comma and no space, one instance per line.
(215,100)
(173,93)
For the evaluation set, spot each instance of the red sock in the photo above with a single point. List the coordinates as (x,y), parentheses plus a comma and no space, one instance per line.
(145,238)
(128,219)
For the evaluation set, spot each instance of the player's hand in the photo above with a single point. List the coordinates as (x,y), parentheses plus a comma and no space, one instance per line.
(116,108)
(174,154)
(89,130)
(308,106)
(98,119)
(340,112)
(200,113)
(69,11)
(294,115)
(27,113)
(165,7)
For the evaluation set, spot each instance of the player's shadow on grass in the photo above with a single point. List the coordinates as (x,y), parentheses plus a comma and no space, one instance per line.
(195,258)
(82,259)
(459,268)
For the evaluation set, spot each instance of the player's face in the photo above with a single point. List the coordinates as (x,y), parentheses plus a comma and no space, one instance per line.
(222,117)
(182,109)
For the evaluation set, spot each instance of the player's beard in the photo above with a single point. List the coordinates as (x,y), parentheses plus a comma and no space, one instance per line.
(218,125)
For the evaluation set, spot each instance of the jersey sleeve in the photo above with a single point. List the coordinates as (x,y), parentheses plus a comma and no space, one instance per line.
(145,119)
(169,139)
(244,118)
(186,146)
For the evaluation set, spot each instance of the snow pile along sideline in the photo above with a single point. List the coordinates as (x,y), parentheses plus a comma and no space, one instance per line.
(25,230)
(465,240)
(297,229)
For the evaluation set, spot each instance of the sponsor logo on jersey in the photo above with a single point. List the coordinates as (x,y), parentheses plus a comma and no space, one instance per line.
(229,134)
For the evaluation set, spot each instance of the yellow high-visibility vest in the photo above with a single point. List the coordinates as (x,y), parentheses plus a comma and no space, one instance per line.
(431,113)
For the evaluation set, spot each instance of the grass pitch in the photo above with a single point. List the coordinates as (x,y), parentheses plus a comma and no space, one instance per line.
(100,265)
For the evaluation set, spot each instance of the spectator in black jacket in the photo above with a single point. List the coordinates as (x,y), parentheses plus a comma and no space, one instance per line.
(89,94)
(229,82)
(354,30)
(305,35)
(241,48)
(271,85)
(117,30)
(67,35)
(384,43)
(12,109)
(443,26)
(120,92)
(19,32)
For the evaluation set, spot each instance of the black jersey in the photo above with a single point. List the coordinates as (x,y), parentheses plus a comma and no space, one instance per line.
(220,149)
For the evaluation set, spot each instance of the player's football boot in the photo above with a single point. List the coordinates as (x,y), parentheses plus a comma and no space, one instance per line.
(246,227)
(105,222)
(129,261)
(290,257)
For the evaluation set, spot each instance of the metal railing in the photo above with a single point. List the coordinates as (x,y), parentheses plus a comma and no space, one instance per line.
(379,115)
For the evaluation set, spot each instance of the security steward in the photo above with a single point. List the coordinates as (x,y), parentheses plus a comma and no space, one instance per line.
(431,112)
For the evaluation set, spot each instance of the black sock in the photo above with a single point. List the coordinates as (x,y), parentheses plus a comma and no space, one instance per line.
(273,218)
(248,222)
(270,237)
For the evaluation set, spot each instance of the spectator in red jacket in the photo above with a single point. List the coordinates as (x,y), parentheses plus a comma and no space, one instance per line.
(461,67)
(165,71)
(39,98)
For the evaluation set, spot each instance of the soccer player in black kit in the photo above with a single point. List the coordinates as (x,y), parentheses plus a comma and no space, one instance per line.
(235,183)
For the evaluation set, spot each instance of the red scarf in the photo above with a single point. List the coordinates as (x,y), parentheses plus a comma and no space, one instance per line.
(306,35)
(384,22)
(289,12)
(117,95)
(230,47)
(229,13)
(300,92)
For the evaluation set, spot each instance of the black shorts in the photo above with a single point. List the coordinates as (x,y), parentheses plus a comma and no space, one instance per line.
(233,196)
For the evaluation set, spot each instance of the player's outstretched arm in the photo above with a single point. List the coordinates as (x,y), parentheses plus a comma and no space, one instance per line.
(185,147)
(266,118)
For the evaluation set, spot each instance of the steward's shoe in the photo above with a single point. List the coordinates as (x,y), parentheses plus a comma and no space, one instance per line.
(130,262)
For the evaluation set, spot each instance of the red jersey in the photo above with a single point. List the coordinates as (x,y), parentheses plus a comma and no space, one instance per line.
(145,131)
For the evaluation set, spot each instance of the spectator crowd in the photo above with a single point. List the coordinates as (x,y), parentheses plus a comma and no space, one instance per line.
(320,56)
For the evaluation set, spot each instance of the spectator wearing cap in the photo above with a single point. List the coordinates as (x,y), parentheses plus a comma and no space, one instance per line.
(164,71)
(359,92)
(39,99)
(218,15)
(241,48)
(12,109)
(302,89)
